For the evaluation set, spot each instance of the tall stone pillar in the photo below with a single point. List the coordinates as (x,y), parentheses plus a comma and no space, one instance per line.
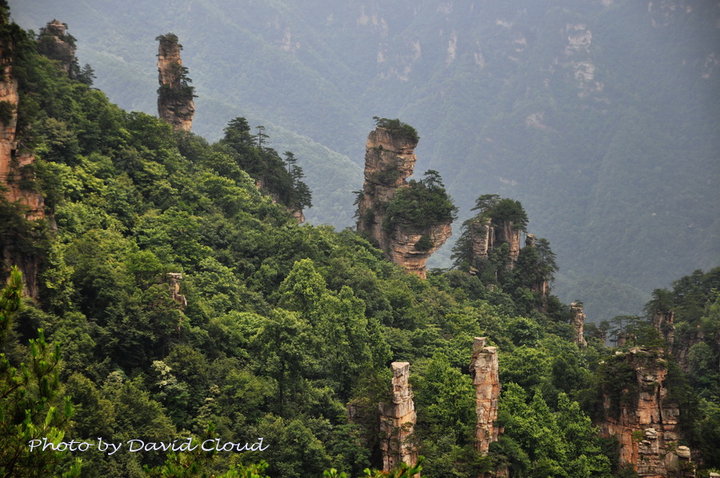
(484,370)
(578,323)
(397,421)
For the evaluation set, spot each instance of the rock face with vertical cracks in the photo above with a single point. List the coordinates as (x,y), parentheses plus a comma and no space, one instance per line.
(642,418)
(484,370)
(487,233)
(175,95)
(16,167)
(397,421)
(578,323)
(389,161)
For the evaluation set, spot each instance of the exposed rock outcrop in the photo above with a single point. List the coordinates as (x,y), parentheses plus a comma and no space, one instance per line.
(484,370)
(55,43)
(16,166)
(175,95)
(578,323)
(481,237)
(16,172)
(489,230)
(664,323)
(643,419)
(389,161)
(397,421)
(506,233)
(174,279)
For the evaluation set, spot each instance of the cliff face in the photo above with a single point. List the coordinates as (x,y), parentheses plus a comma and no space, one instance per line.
(578,323)
(488,233)
(389,161)
(506,233)
(175,95)
(484,370)
(16,167)
(397,421)
(647,423)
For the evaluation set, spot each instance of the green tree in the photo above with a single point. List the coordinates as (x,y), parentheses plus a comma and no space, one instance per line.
(33,409)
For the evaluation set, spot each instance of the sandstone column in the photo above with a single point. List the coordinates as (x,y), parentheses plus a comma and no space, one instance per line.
(389,161)
(578,323)
(484,370)
(175,95)
(397,421)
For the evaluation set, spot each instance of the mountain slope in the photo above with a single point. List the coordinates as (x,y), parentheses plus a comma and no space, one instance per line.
(600,116)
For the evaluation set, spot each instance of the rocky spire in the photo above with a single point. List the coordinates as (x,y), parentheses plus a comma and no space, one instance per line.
(484,370)
(55,43)
(389,161)
(578,323)
(643,418)
(397,421)
(175,95)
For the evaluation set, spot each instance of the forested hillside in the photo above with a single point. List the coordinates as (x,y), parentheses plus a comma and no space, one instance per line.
(168,298)
(600,116)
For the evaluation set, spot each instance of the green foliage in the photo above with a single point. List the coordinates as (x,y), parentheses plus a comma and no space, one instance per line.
(32,406)
(179,89)
(281,178)
(398,128)
(7,110)
(286,330)
(420,205)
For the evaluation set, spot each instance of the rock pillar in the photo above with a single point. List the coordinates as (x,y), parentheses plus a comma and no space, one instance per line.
(389,161)
(484,370)
(644,421)
(175,95)
(397,421)
(578,323)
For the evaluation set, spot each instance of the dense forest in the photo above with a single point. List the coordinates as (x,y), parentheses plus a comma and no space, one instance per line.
(601,116)
(164,295)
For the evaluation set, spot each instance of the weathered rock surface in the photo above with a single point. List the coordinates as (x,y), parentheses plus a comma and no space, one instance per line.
(578,323)
(484,370)
(646,425)
(389,161)
(174,279)
(397,421)
(55,43)
(506,233)
(175,98)
(664,323)
(482,237)
(16,167)
(488,233)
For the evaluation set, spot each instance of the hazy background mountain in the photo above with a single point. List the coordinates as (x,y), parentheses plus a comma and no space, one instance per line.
(602,117)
